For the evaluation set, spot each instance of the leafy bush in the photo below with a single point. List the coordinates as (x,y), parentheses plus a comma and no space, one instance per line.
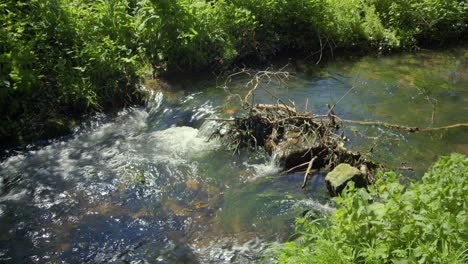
(423,22)
(357,23)
(60,59)
(294,24)
(424,222)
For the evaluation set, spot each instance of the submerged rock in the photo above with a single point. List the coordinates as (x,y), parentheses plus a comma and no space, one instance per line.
(296,148)
(340,176)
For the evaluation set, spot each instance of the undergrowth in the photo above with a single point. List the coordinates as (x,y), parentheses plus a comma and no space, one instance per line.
(60,59)
(424,222)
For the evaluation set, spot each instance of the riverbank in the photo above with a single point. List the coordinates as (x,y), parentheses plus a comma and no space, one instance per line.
(63,59)
(424,221)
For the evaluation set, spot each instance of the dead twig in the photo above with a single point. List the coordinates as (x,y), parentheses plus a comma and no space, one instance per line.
(444,127)
(307,172)
(295,167)
(321,50)
(221,119)
(330,109)
(364,136)
(407,128)
(311,171)
(405,168)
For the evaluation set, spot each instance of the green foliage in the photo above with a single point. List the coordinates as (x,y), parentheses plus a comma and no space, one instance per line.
(425,22)
(357,23)
(424,222)
(185,35)
(60,59)
(294,24)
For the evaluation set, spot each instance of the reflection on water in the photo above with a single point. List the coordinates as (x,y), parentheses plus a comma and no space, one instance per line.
(145,186)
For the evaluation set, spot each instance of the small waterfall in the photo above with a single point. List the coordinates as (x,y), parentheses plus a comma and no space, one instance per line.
(269,167)
(154,101)
(208,128)
(273,159)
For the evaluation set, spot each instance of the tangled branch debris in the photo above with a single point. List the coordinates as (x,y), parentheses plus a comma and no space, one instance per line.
(296,139)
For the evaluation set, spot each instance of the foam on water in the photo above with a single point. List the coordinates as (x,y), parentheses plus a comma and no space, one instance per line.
(71,181)
(218,252)
(267,168)
(98,193)
(182,142)
(154,101)
(313,204)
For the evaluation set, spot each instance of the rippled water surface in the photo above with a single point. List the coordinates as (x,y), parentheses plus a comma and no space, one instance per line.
(145,186)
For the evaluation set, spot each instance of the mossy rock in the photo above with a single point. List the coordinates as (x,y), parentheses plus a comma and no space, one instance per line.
(340,176)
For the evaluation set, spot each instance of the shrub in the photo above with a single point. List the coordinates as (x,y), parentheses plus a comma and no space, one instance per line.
(424,222)
(426,22)
(61,59)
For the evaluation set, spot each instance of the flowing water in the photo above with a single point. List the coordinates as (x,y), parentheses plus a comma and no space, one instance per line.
(145,186)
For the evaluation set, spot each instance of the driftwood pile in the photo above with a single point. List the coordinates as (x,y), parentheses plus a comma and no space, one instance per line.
(297,140)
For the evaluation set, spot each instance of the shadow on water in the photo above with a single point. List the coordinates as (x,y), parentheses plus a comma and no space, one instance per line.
(144,185)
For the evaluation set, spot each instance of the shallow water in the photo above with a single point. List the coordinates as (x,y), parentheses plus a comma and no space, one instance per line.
(145,186)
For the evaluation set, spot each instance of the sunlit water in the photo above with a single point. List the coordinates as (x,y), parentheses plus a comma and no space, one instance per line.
(145,186)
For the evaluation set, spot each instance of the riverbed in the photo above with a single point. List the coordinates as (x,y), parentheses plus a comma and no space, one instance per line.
(144,185)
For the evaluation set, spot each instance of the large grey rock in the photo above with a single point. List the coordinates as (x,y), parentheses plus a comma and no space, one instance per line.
(340,176)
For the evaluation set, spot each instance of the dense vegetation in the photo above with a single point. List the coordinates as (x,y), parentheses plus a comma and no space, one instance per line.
(63,58)
(424,222)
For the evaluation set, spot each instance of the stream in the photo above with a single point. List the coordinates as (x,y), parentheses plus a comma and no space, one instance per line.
(144,185)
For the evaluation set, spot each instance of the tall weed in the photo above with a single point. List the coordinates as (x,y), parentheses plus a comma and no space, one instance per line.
(424,222)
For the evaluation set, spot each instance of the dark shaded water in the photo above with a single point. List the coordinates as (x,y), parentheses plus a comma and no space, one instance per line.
(145,186)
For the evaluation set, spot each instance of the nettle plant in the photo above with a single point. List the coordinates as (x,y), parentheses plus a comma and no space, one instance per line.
(424,222)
